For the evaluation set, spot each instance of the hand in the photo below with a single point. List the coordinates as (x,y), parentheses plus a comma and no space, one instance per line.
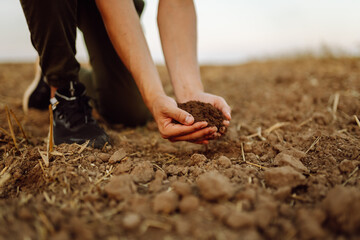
(165,110)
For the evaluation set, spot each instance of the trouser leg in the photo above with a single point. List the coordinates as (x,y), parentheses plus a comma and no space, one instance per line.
(52,25)
(117,97)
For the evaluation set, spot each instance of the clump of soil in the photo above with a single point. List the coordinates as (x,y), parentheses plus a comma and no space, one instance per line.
(205,112)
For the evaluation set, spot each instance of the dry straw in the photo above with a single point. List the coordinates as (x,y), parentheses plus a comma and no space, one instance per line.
(18,123)
(357,120)
(313,144)
(10,127)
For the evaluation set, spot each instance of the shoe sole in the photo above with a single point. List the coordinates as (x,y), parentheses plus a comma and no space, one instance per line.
(31,88)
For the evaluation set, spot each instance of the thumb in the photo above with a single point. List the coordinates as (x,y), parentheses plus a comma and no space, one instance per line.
(181,116)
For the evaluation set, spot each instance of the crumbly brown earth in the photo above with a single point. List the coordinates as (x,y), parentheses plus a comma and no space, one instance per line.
(288,167)
(205,112)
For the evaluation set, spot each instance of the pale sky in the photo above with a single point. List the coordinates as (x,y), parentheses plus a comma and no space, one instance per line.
(230,31)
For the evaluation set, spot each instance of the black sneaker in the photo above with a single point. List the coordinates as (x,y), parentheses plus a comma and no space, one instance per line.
(37,95)
(73,122)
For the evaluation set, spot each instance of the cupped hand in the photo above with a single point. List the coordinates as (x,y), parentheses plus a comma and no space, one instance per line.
(165,111)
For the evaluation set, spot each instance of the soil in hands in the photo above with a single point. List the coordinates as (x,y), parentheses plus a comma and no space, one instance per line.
(205,112)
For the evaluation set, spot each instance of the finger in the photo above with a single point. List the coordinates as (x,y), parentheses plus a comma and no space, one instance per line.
(212,136)
(221,104)
(195,136)
(180,115)
(176,130)
(202,142)
(226,123)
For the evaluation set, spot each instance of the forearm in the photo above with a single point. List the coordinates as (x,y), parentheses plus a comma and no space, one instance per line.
(178,33)
(125,32)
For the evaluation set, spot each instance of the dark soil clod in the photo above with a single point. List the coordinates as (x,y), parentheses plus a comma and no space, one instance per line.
(205,112)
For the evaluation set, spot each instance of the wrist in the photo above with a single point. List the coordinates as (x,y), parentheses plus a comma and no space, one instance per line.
(188,94)
(152,98)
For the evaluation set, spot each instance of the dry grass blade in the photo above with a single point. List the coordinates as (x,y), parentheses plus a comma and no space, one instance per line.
(257,134)
(46,222)
(351,175)
(83,146)
(3,171)
(18,123)
(4,131)
(158,167)
(56,153)
(242,152)
(335,103)
(44,157)
(4,178)
(256,165)
(155,224)
(313,144)
(357,120)
(305,122)
(247,162)
(275,126)
(50,136)
(105,176)
(10,127)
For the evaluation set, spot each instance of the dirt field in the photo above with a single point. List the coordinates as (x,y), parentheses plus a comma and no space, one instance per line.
(287,168)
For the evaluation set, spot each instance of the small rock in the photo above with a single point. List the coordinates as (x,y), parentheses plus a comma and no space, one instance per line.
(165,202)
(120,187)
(295,153)
(282,193)
(159,174)
(309,226)
(104,156)
(248,194)
(214,186)
(189,204)
(143,172)
(238,220)
(131,221)
(224,162)
(183,227)
(181,188)
(173,170)
(123,167)
(283,159)
(118,156)
(91,158)
(220,212)
(266,211)
(347,166)
(342,205)
(197,159)
(283,176)
(156,185)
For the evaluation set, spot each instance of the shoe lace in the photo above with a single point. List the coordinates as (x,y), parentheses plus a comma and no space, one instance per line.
(77,111)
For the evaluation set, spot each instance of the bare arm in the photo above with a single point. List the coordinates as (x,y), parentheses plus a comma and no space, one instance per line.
(177,27)
(124,29)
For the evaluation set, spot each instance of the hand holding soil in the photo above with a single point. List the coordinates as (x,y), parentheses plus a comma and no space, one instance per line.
(168,115)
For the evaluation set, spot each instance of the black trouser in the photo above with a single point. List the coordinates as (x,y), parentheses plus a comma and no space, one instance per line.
(52,25)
